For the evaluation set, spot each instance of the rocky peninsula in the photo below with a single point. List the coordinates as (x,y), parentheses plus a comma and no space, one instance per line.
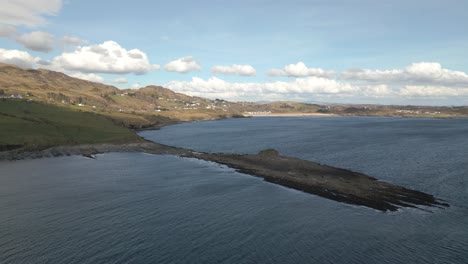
(43,112)
(329,182)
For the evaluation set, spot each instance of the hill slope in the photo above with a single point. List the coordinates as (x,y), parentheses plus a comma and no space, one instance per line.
(156,104)
(135,108)
(33,125)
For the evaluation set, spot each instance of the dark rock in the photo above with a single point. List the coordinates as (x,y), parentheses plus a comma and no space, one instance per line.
(268,153)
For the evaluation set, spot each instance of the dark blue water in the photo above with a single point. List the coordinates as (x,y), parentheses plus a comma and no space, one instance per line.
(139,208)
(428,154)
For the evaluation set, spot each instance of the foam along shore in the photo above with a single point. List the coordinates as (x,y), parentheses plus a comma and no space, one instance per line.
(329,182)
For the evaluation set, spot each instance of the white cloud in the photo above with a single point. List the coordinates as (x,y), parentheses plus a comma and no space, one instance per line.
(242,70)
(370,75)
(300,70)
(136,86)
(313,88)
(7,31)
(43,41)
(88,77)
(433,91)
(428,73)
(18,58)
(183,65)
(28,12)
(120,80)
(301,87)
(376,91)
(108,57)
(37,41)
(73,40)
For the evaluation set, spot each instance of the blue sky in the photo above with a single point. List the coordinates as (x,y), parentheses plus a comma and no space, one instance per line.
(373,51)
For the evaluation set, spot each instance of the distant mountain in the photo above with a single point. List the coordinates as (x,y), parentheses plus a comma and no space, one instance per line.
(40,81)
(61,89)
(143,104)
(51,86)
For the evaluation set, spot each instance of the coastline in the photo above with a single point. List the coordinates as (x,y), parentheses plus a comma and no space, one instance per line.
(89,150)
(290,115)
(351,115)
(333,183)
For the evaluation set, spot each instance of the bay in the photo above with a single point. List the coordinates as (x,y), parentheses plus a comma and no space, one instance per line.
(140,208)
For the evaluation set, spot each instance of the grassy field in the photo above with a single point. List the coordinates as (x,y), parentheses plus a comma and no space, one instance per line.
(36,125)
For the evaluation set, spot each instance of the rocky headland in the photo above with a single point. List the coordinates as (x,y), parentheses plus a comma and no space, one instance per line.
(329,182)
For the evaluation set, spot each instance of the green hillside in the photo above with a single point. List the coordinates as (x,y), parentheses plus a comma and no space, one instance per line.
(35,125)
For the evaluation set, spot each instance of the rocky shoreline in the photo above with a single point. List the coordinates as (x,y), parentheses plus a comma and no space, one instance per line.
(92,149)
(329,182)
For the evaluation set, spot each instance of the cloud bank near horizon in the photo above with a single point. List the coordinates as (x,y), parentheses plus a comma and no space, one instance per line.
(423,81)
(420,81)
(311,88)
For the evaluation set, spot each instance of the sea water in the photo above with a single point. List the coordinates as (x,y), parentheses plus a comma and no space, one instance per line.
(140,208)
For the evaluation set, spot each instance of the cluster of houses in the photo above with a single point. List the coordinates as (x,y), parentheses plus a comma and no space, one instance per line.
(417,112)
(191,106)
(184,105)
(12,96)
(258,113)
(194,105)
(81,105)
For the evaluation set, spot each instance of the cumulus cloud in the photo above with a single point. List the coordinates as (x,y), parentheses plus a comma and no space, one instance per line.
(19,58)
(28,12)
(37,41)
(428,73)
(7,31)
(72,40)
(183,65)
(218,88)
(108,57)
(377,91)
(242,70)
(313,88)
(120,80)
(88,77)
(136,86)
(433,91)
(300,70)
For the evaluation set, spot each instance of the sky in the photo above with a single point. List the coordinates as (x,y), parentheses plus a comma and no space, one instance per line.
(335,51)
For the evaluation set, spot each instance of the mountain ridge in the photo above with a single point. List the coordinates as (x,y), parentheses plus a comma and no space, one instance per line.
(57,88)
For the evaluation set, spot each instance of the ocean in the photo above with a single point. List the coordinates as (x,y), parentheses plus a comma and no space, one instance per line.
(141,208)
